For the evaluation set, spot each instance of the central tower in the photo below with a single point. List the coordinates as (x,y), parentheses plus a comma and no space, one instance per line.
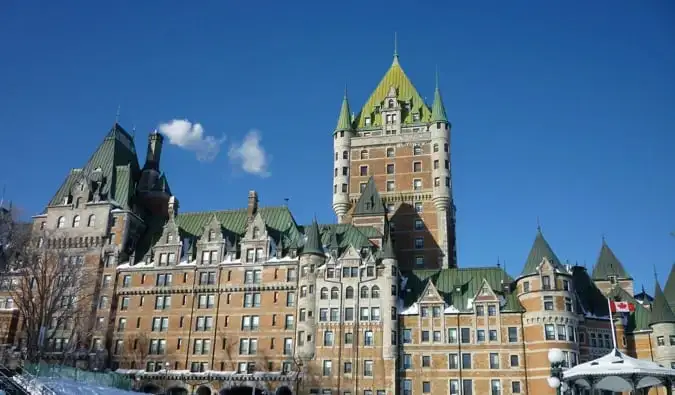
(404,146)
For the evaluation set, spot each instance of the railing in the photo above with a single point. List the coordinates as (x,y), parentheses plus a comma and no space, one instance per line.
(107,379)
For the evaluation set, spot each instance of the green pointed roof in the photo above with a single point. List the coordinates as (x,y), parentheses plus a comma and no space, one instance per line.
(438,109)
(608,265)
(407,93)
(388,247)
(116,158)
(661,311)
(669,289)
(313,242)
(540,249)
(369,203)
(345,119)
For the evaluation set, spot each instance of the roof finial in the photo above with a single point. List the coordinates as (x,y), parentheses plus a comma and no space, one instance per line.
(538,225)
(133,132)
(117,115)
(603,239)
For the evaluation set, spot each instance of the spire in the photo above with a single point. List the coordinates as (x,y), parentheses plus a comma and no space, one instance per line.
(437,108)
(345,119)
(669,289)
(608,265)
(313,242)
(661,311)
(388,247)
(540,250)
(370,202)
(395,49)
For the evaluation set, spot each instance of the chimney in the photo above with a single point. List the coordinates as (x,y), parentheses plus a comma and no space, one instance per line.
(155,141)
(173,207)
(252,207)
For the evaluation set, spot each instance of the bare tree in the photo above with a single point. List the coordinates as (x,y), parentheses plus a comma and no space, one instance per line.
(49,286)
(136,348)
(229,348)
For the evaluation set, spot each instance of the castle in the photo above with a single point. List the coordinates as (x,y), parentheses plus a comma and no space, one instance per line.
(218,302)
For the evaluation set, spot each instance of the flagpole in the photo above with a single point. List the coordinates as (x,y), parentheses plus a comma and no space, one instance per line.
(611,322)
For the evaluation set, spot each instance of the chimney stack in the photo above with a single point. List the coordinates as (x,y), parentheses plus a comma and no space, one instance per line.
(252,207)
(155,142)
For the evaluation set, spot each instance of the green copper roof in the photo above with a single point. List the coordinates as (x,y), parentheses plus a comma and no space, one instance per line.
(116,154)
(669,289)
(369,203)
(345,120)
(437,108)
(407,94)
(388,247)
(661,311)
(313,243)
(608,265)
(540,249)
(468,280)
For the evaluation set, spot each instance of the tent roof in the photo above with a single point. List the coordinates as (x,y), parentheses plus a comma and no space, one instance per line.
(613,372)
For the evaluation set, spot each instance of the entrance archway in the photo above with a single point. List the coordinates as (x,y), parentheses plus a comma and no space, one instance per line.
(178,391)
(240,390)
(203,390)
(151,389)
(284,390)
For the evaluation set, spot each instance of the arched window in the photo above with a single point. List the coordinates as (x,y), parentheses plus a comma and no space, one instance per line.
(61,222)
(334,293)
(345,155)
(92,221)
(375,292)
(324,293)
(364,292)
(76,221)
(77,202)
(349,293)
(364,154)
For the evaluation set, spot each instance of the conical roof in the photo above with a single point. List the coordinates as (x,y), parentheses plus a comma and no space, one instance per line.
(661,311)
(540,249)
(438,109)
(608,265)
(669,289)
(313,242)
(345,119)
(370,202)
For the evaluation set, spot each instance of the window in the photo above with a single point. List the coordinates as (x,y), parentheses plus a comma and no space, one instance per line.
(417,150)
(452,335)
(466,361)
(61,222)
(362,187)
(76,221)
(548,302)
(390,168)
(515,387)
(407,336)
(162,302)
(496,387)
(419,225)
(660,340)
(251,299)
(91,221)
(248,346)
(545,283)
(465,335)
(368,338)
(426,387)
(368,368)
(407,361)
(391,186)
(494,360)
(418,207)
(417,167)
(327,368)
(419,260)
(480,335)
(515,361)
(390,152)
(492,310)
(407,387)
(513,334)
(549,331)
(328,338)
(363,170)
(206,301)
(419,243)
(493,335)
(453,361)
(568,304)
(417,184)
(364,154)
(526,286)
(566,285)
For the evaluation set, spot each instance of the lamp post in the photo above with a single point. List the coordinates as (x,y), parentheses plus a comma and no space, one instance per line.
(555,357)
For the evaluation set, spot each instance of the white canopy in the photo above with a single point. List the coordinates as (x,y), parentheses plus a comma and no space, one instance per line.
(616,372)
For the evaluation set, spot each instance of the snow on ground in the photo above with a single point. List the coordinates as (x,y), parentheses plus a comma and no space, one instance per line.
(69,387)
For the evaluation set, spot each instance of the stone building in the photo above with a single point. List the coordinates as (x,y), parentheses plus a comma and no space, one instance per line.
(222,301)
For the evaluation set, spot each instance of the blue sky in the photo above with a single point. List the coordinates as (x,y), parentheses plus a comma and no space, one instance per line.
(560,110)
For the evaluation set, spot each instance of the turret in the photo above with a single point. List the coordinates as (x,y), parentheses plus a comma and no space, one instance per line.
(390,293)
(439,128)
(341,148)
(311,257)
(662,322)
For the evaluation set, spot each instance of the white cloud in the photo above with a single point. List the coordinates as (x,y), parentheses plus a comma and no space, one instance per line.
(190,136)
(250,155)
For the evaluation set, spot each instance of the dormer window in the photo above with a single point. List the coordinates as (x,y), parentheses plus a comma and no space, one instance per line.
(212,235)
(169,238)
(368,122)
(612,280)
(256,232)
(546,283)
(391,103)
(416,117)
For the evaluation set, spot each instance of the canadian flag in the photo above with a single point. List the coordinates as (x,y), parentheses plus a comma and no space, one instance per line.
(621,307)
